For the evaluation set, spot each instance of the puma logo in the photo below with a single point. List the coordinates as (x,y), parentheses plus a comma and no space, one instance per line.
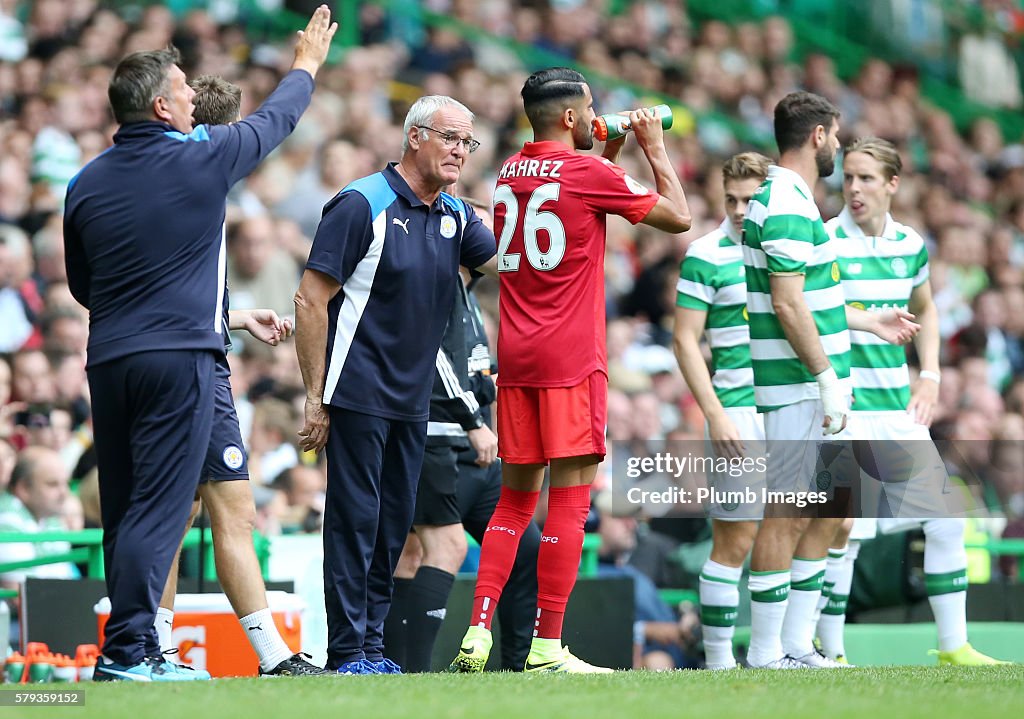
(400,223)
(258,626)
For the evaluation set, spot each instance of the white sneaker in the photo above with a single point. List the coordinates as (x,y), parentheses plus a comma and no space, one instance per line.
(817,660)
(720,667)
(786,662)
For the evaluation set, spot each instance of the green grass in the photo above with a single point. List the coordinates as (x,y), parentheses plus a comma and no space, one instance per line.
(905,692)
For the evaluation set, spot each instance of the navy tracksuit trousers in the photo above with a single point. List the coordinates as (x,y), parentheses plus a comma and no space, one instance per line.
(373,466)
(152,414)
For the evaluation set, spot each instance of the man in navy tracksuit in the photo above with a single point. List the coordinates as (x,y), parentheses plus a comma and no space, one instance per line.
(369,316)
(145,254)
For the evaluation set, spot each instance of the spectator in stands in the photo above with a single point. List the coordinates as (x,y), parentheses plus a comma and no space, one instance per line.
(661,638)
(259,273)
(65,330)
(31,378)
(304,489)
(271,448)
(16,328)
(34,502)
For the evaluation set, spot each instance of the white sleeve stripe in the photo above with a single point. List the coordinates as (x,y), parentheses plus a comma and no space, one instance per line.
(451,382)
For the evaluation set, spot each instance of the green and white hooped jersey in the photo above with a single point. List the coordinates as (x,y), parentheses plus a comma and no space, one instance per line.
(878,273)
(783,233)
(712,278)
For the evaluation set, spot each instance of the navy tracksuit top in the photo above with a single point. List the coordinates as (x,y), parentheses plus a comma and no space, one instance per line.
(144,227)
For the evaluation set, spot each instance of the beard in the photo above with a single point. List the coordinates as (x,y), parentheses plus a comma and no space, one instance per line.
(825,159)
(583,137)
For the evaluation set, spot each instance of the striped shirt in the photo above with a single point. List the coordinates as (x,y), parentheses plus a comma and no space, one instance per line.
(711,278)
(783,233)
(878,273)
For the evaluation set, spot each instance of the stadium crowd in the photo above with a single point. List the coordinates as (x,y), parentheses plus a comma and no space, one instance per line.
(964,191)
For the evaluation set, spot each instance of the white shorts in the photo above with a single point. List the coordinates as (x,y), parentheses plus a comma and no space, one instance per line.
(868,528)
(903,478)
(864,528)
(801,458)
(737,496)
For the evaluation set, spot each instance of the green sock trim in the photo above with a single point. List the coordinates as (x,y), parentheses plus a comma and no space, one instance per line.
(836,553)
(769,596)
(836,605)
(810,559)
(813,583)
(946,583)
(720,580)
(714,616)
(767,572)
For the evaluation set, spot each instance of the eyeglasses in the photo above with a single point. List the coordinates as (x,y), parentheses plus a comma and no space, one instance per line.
(449,140)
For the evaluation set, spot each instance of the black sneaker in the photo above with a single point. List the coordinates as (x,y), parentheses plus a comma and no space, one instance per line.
(295,666)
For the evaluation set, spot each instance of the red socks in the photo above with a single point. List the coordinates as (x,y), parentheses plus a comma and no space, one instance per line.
(558,560)
(512,515)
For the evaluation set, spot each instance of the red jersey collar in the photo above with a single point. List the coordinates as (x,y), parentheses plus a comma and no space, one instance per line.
(545,147)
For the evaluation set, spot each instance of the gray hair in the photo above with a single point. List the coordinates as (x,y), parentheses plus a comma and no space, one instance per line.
(422,113)
(137,81)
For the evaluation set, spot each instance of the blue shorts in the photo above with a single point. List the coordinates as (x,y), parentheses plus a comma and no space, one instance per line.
(225,457)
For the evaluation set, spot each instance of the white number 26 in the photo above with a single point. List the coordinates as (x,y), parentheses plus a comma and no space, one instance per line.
(533,221)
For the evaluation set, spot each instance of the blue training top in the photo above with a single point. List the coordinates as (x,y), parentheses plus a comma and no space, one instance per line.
(397,261)
(144,227)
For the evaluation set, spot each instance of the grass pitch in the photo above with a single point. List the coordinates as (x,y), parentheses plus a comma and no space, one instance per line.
(870,693)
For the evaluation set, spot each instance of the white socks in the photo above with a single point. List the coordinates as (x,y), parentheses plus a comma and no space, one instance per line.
(719,605)
(808,576)
(164,626)
(834,597)
(945,573)
(769,597)
(265,639)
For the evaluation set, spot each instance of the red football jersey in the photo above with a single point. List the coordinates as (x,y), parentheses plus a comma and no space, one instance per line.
(549,215)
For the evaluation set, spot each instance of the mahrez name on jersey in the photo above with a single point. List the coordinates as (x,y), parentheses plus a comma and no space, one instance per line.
(531,168)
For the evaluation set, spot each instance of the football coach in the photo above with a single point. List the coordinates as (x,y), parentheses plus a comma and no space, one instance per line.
(144,242)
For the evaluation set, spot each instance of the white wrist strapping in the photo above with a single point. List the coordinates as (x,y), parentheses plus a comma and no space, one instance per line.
(832,400)
(933,376)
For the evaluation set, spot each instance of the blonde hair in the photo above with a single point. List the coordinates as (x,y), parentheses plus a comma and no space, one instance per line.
(883,151)
(746,166)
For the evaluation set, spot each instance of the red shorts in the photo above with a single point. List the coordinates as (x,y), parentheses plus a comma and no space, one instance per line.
(537,424)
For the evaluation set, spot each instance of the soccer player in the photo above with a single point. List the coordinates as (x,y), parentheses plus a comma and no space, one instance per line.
(800,353)
(550,207)
(884,264)
(711,300)
(459,487)
(224,485)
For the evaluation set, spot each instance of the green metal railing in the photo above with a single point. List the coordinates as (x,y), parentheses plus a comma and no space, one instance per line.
(87,549)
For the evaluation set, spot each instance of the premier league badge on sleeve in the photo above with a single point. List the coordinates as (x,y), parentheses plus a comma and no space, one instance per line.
(448,227)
